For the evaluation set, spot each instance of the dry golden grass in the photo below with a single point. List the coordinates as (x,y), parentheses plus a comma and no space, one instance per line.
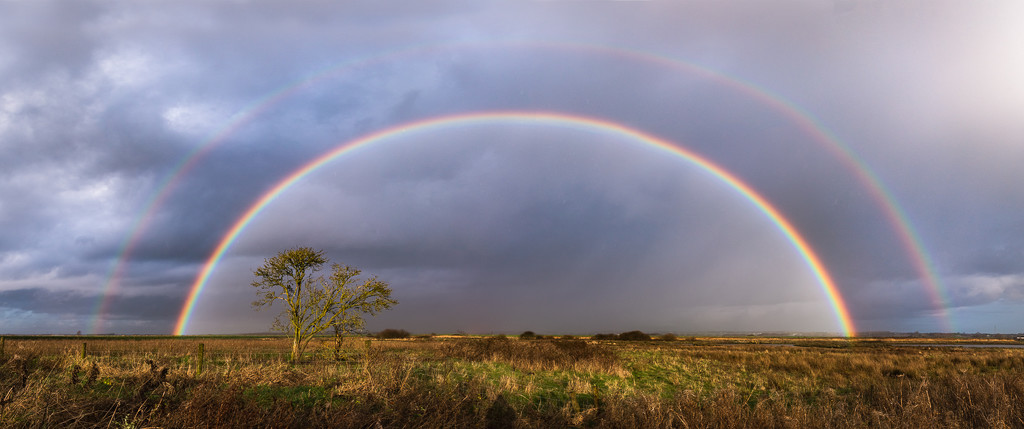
(492,382)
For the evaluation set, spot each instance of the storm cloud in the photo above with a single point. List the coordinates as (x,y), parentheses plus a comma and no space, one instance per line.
(134,135)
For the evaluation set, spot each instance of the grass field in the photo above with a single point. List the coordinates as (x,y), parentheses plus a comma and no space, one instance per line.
(507,382)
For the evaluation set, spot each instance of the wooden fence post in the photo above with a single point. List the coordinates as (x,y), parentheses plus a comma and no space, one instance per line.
(199,365)
(83,350)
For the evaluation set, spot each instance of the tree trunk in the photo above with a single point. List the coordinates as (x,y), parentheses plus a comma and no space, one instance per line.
(295,347)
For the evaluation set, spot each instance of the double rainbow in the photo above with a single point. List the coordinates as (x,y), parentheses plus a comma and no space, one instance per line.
(895,215)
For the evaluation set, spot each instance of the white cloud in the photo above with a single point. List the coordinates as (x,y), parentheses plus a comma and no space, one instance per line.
(979,289)
(128,68)
(196,120)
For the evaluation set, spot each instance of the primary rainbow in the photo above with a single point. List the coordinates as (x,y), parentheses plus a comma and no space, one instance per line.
(894,213)
(543,118)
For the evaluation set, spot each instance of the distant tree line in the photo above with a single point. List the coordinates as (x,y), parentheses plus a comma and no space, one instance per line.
(530,335)
(393,333)
(625,336)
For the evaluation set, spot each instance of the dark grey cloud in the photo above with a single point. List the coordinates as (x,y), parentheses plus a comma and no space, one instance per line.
(101,102)
(39,310)
(30,37)
(530,214)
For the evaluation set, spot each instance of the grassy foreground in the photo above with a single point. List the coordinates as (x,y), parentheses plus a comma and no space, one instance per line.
(499,382)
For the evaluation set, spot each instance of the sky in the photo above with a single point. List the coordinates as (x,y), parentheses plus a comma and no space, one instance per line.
(135,135)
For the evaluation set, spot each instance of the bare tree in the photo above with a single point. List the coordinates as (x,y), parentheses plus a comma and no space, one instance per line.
(315,303)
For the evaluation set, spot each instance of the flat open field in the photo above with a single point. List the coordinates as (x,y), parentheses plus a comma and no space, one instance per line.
(507,382)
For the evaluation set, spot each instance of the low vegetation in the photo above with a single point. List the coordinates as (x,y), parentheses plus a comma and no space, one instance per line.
(466,381)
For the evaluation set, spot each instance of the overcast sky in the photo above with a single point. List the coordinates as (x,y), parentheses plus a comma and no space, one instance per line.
(505,226)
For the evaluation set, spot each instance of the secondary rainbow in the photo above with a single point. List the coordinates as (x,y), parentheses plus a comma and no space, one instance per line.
(542,118)
(883,197)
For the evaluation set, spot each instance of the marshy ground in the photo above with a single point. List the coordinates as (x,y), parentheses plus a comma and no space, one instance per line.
(135,382)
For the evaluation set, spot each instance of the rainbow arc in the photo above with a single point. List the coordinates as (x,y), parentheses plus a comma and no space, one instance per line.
(799,243)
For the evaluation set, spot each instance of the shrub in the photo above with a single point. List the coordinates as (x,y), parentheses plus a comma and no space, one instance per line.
(528,335)
(668,337)
(393,333)
(605,337)
(634,336)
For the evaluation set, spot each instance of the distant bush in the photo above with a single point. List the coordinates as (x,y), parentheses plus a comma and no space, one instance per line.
(393,333)
(605,337)
(528,335)
(667,337)
(634,336)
